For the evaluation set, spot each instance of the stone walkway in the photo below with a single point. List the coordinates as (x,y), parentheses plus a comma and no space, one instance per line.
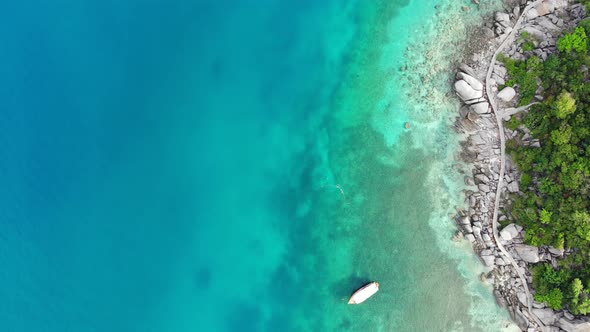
(499,115)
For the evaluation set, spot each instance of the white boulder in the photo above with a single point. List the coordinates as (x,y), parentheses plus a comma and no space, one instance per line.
(488,260)
(480,108)
(512,187)
(510,232)
(532,14)
(507,94)
(527,253)
(467,92)
(474,82)
(545,315)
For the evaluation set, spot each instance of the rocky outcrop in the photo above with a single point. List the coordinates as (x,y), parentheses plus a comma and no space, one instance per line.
(469,89)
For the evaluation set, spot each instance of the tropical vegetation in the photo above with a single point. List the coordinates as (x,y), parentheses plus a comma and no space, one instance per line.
(554,206)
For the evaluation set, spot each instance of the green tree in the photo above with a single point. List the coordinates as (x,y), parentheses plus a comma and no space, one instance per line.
(525,180)
(546,216)
(583,307)
(580,303)
(581,222)
(554,298)
(576,289)
(562,135)
(576,41)
(564,105)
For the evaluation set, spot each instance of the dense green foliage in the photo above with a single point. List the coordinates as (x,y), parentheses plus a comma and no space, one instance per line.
(555,205)
(576,41)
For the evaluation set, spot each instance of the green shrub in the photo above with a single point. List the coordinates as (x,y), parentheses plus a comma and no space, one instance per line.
(565,104)
(576,41)
(528,46)
(513,123)
(554,298)
(546,216)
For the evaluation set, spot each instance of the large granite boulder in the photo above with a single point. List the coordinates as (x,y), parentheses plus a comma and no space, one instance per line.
(474,82)
(547,316)
(510,232)
(488,260)
(532,14)
(573,325)
(520,320)
(480,108)
(466,92)
(549,6)
(507,94)
(512,187)
(527,253)
(544,8)
(534,32)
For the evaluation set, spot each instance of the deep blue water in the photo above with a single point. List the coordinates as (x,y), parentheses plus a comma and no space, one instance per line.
(196,166)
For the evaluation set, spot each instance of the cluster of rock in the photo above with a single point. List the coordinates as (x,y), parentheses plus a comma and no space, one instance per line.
(545,22)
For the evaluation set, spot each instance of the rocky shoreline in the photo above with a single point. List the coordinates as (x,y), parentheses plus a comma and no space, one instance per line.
(545,21)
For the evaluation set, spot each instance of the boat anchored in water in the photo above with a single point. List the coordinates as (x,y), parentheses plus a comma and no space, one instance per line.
(364,293)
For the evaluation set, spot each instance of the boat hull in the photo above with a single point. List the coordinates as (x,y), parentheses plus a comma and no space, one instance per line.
(363,293)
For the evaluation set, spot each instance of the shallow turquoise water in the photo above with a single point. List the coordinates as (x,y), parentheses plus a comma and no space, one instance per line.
(211,166)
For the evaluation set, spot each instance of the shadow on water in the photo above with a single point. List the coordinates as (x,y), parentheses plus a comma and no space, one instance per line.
(244,317)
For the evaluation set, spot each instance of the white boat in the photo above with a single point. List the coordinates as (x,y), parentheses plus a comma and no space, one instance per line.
(364,293)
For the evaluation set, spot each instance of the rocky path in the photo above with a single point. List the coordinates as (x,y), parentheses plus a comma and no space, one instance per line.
(499,115)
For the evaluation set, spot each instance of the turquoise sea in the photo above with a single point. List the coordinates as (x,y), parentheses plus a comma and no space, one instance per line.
(234,166)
